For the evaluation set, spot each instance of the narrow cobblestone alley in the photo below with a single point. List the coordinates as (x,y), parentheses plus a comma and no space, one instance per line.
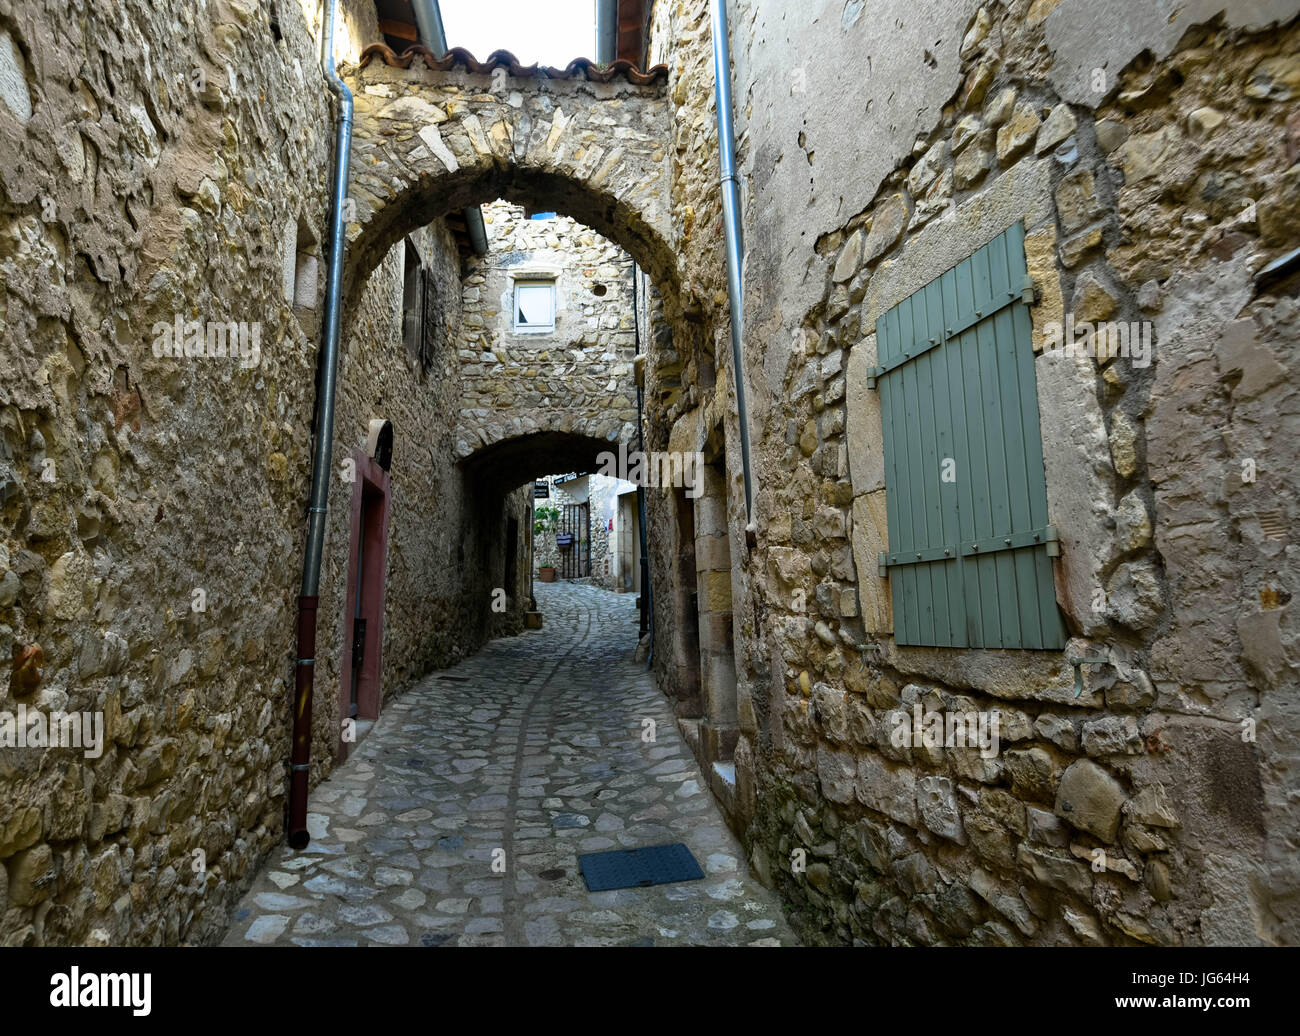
(445,441)
(534,747)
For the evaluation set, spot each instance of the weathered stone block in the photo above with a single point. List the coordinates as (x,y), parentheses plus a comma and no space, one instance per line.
(1045,828)
(715,591)
(830,711)
(1090,799)
(1133,595)
(936,801)
(990,840)
(999,109)
(1146,154)
(1151,806)
(22,828)
(837,771)
(928,169)
(33,874)
(1074,249)
(865,434)
(1055,871)
(887,789)
(887,225)
(1017,134)
(1077,204)
(973,164)
(850,258)
(1059,125)
(1057,729)
(1005,808)
(1032,772)
(1111,735)
(1076,459)
(870,538)
(1094,300)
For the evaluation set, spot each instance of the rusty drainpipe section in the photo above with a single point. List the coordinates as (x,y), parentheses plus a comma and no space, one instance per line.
(327,380)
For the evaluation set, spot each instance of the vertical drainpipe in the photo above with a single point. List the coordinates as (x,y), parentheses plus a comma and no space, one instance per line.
(606,31)
(735,245)
(305,670)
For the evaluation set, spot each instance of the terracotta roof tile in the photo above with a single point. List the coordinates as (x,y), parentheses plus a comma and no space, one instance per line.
(459,56)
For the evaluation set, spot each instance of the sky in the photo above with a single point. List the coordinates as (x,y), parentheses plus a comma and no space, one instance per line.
(548,32)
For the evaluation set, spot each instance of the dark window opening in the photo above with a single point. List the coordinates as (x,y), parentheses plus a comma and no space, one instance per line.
(423,320)
(412,301)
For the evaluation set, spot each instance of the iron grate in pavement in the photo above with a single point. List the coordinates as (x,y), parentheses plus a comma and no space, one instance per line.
(637,868)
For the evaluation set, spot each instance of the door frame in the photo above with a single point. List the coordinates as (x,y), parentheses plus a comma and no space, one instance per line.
(373,489)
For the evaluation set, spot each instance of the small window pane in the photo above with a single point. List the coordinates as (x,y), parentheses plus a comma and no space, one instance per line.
(535,305)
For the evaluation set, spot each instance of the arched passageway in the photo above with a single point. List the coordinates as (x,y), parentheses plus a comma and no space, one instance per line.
(511,462)
(434,136)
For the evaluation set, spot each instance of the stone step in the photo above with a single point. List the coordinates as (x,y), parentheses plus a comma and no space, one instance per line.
(722,782)
(690,728)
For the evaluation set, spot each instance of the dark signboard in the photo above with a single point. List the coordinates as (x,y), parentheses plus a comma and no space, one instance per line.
(541,490)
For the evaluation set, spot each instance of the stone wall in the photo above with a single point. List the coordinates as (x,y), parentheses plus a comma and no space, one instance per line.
(577,377)
(1154,197)
(152,505)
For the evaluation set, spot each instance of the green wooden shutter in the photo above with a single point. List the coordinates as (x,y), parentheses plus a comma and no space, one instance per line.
(968,558)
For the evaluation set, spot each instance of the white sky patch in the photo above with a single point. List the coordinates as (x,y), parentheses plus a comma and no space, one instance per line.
(548,32)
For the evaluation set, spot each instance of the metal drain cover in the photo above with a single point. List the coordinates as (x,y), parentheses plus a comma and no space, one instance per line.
(638,868)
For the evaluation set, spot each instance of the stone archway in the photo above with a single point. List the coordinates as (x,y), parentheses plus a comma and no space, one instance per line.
(432,136)
(510,460)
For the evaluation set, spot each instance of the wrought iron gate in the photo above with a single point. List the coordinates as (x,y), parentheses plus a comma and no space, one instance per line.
(574,540)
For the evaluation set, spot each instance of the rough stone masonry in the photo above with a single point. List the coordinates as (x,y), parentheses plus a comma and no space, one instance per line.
(1150,153)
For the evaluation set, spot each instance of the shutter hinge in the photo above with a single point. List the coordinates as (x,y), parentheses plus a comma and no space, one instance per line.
(1076,662)
(872,374)
(882,562)
(1027,290)
(1053,540)
(864,648)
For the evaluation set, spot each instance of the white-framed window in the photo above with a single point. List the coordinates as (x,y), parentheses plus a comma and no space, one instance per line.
(534,306)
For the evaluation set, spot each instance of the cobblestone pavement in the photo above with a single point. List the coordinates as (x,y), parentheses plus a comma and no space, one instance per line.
(528,754)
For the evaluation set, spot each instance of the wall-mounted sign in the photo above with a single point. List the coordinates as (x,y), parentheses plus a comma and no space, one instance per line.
(564,540)
(541,490)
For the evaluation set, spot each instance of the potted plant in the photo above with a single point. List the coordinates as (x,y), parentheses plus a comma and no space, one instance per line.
(545,519)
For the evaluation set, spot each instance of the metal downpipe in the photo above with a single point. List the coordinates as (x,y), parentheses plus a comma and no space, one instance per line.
(428,19)
(734,242)
(327,382)
(606,31)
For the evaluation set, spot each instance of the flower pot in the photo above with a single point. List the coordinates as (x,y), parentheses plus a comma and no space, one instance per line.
(546,574)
